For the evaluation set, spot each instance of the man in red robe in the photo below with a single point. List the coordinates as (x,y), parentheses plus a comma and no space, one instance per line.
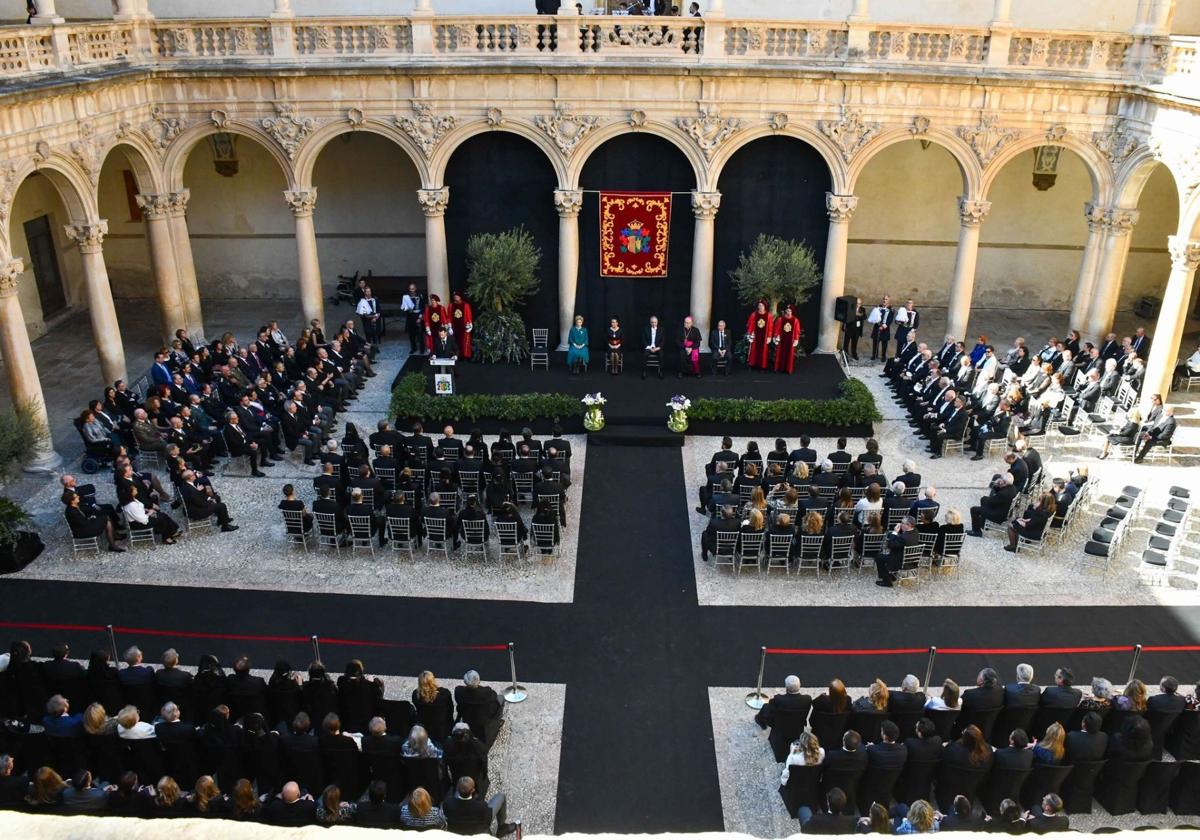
(462,322)
(758,327)
(435,317)
(786,335)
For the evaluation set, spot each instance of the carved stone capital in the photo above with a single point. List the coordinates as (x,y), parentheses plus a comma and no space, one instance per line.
(705,204)
(1094,215)
(154,207)
(434,202)
(1185,253)
(972,213)
(567,202)
(89,236)
(10,273)
(840,207)
(1120,220)
(179,202)
(302,202)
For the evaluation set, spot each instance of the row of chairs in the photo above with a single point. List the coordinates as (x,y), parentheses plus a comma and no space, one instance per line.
(1168,537)
(399,537)
(1108,537)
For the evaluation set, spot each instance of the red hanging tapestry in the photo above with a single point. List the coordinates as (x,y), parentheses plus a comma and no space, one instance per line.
(634,230)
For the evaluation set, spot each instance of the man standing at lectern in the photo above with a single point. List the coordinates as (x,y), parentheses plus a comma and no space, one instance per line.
(444,345)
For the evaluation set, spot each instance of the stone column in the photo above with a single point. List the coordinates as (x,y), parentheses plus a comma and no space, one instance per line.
(312,299)
(1118,230)
(171,310)
(23,383)
(106,332)
(181,245)
(568,204)
(704,208)
(1086,282)
(433,205)
(971,214)
(1172,317)
(833,285)
(46,13)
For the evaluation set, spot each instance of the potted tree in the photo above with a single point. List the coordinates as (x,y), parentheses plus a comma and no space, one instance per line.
(501,275)
(21,431)
(777,270)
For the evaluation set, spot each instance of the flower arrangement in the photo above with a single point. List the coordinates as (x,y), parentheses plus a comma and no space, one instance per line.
(677,421)
(593,417)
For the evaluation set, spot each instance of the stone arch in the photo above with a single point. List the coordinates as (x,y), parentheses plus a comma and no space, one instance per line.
(310,152)
(142,161)
(838,174)
(446,148)
(1098,168)
(72,184)
(968,164)
(1133,174)
(668,132)
(182,146)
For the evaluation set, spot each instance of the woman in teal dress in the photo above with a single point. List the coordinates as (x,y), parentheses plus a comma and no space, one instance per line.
(577,346)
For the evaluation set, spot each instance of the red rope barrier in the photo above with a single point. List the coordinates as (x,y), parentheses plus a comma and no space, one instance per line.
(848,651)
(237,637)
(982,651)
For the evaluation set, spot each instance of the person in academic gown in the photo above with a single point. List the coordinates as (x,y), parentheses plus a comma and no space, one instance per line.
(786,335)
(758,327)
(435,317)
(462,322)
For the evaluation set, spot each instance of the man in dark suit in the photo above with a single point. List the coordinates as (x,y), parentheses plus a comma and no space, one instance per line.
(1051,819)
(1168,700)
(238,441)
(174,684)
(1022,694)
(962,817)
(720,343)
(13,786)
(298,431)
(926,744)
(804,453)
(1016,756)
(952,429)
(1061,695)
(59,722)
(987,693)
(849,761)
(1089,394)
(910,477)
(479,707)
(376,811)
(547,486)
(289,808)
(1019,470)
(444,345)
(62,675)
(909,699)
(792,701)
(887,754)
(468,813)
(1088,744)
(1111,348)
(881,319)
(1159,434)
(245,692)
(434,511)
(995,427)
(995,506)
(889,561)
(840,456)
(652,344)
(201,504)
(1140,342)
(831,820)
(135,671)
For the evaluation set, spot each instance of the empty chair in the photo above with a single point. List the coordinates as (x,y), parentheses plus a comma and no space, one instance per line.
(957,781)
(829,727)
(985,719)
(1183,739)
(1154,790)
(915,781)
(866,723)
(802,788)
(876,786)
(1079,789)
(1002,783)
(1010,718)
(1185,792)
(1045,778)
(786,726)
(944,720)
(1117,786)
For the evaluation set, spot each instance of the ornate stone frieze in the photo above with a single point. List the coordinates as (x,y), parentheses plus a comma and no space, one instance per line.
(637,118)
(566,129)
(1118,143)
(971,213)
(288,129)
(840,207)
(355,116)
(1056,133)
(425,127)
(710,129)
(434,202)
(179,202)
(778,121)
(8,188)
(219,118)
(161,129)
(1120,219)
(41,151)
(920,125)
(1185,253)
(494,117)
(302,202)
(10,273)
(84,152)
(987,138)
(154,206)
(849,133)
(705,204)
(567,202)
(89,236)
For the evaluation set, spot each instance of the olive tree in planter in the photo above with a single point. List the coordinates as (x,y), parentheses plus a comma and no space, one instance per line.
(776,270)
(21,432)
(501,274)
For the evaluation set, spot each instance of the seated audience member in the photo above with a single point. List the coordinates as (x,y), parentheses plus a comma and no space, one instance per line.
(466,811)
(792,700)
(289,808)
(1051,818)
(84,526)
(375,811)
(1051,747)
(889,562)
(479,707)
(948,699)
(1033,523)
(204,503)
(961,817)
(331,809)
(995,506)
(418,812)
(160,523)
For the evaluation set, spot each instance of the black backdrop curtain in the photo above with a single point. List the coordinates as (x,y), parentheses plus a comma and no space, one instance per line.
(499,181)
(776,186)
(635,162)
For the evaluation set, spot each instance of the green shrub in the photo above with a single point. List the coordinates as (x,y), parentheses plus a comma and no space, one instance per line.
(776,270)
(854,406)
(20,433)
(411,400)
(501,275)
(13,518)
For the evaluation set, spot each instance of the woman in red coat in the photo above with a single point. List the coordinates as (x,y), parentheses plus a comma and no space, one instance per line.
(758,327)
(786,335)
(435,317)
(462,323)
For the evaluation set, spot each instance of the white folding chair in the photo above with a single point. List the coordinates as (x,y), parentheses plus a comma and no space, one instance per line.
(810,553)
(82,544)
(327,531)
(950,557)
(726,553)
(139,534)
(523,481)
(779,553)
(293,528)
(198,524)
(436,538)
(910,565)
(474,542)
(399,534)
(387,477)
(543,539)
(841,549)
(553,500)
(750,551)
(508,537)
(360,534)
(539,350)
(871,547)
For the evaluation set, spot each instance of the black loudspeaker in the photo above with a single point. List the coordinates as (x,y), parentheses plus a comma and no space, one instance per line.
(843,308)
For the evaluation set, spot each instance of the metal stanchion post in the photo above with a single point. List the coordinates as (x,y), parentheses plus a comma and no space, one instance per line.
(1137,654)
(929,666)
(112,644)
(316,649)
(756,699)
(516,692)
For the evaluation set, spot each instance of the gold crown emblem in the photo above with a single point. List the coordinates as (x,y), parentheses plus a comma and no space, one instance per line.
(635,225)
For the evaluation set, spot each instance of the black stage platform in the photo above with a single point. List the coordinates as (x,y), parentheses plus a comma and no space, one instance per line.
(634,402)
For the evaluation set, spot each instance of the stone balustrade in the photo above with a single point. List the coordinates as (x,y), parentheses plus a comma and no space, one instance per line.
(1167,62)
